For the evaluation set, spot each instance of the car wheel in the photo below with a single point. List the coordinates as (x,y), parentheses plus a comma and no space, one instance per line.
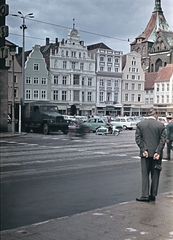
(124,127)
(46,128)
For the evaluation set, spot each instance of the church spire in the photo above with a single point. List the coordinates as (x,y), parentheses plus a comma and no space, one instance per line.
(158,7)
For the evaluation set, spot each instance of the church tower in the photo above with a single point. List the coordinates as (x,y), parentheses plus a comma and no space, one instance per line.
(155,43)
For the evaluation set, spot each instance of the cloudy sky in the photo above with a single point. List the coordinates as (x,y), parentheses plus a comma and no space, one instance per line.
(110,21)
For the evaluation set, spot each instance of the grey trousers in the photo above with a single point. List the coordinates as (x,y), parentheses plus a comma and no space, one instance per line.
(150,176)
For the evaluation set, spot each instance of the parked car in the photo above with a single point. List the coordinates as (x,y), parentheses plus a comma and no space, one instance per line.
(125,122)
(94,122)
(108,129)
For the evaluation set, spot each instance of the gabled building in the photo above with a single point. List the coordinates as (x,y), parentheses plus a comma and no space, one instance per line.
(133,83)
(72,76)
(163,90)
(108,70)
(37,85)
(155,43)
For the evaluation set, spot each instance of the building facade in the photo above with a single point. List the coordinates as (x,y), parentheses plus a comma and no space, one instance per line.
(108,70)
(72,76)
(133,85)
(36,85)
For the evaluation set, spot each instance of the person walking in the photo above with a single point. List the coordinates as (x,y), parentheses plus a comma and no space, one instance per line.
(150,136)
(169,136)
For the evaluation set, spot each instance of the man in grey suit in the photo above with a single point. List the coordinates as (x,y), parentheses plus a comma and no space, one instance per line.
(150,137)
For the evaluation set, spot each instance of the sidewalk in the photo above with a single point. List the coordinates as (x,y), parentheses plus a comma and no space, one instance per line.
(127,221)
(10,134)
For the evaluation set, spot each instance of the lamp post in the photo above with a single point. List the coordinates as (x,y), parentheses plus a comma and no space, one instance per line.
(23,27)
(12,53)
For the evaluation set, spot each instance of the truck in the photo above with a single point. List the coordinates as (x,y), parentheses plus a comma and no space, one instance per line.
(43,117)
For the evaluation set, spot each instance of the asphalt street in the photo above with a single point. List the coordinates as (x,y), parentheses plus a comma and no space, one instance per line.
(46,177)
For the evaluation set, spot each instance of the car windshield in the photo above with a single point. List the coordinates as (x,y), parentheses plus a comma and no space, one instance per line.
(49,108)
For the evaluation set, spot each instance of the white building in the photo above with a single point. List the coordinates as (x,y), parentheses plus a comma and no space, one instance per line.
(73,78)
(109,76)
(133,81)
(163,90)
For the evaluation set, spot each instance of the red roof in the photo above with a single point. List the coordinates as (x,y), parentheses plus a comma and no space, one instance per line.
(165,73)
(150,78)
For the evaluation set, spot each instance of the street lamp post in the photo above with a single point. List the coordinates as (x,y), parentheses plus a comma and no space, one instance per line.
(23,27)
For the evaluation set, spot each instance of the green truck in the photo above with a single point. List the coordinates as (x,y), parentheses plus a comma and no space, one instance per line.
(43,117)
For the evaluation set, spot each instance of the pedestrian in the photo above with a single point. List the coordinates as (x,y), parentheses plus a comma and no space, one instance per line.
(169,136)
(150,137)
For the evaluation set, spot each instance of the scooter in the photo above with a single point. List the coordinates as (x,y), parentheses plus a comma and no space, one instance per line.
(109,129)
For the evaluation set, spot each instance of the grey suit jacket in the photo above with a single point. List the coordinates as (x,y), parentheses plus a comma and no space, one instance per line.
(150,136)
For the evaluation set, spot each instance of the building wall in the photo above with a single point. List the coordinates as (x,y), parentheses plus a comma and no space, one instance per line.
(133,81)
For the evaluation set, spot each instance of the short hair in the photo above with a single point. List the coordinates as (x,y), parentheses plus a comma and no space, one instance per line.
(152,112)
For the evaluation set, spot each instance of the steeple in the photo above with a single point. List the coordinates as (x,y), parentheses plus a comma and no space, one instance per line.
(158,7)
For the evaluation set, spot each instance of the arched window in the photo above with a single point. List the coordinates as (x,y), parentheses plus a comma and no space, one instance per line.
(158,64)
(152,67)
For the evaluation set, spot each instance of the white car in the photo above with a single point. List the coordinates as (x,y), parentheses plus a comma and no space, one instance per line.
(125,122)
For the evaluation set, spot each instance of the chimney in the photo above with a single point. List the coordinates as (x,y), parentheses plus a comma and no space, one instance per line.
(56,41)
(47,41)
(19,50)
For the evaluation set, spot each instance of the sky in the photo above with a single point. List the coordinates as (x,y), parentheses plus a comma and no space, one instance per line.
(112,22)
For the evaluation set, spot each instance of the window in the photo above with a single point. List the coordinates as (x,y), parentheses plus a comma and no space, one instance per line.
(15,93)
(133,77)
(28,94)
(133,97)
(133,86)
(55,79)
(75,79)
(83,96)
(167,98)
(83,81)
(64,95)
(133,69)
(89,97)
(43,81)
(116,60)
(109,69)
(167,87)
(43,94)
(64,64)
(66,53)
(139,97)
(35,94)
(108,83)
(126,97)
(101,97)
(89,81)
(139,77)
(36,80)
(101,69)
(101,58)
(15,79)
(129,69)
(73,54)
(80,55)
(109,59)
(76,95)
(81,66)
(55,95)
(28,80)
(64,80)
(126,86)
(116,83)
(73,65)
(133,63)
(115,97)
(162,98)
(62,53)
(127,76)
(146,100)
(137,70)
(157,99)
(101,82)
(151,100)
(157,87)
(36,67)
(163,87)
(116,69)
(139,87)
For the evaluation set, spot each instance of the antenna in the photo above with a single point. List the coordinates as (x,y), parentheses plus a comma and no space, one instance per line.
(73,23)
